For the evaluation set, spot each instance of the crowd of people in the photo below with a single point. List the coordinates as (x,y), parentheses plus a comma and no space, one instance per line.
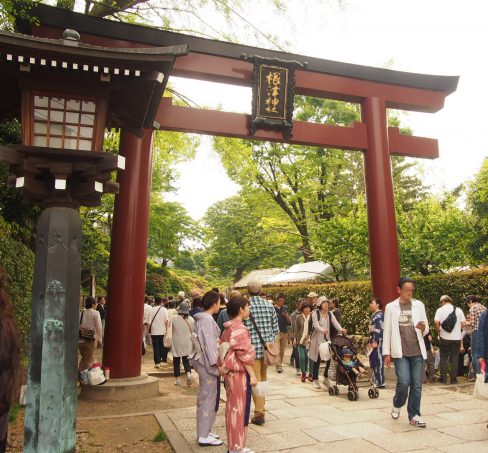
(230,340)
(237,340)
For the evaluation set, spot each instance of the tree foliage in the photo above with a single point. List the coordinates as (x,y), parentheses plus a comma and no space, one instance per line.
(239,239)
(170,227)
(477,201)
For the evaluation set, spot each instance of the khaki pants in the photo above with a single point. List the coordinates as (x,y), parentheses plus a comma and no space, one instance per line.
(281,339)
(261,371)
(87,349)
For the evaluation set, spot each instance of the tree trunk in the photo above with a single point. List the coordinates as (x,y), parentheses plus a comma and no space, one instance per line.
(238,274)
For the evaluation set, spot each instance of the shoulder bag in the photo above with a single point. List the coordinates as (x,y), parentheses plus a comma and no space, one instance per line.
(271,351)
(168,336)
(449,323)
(154,317)
(85,334)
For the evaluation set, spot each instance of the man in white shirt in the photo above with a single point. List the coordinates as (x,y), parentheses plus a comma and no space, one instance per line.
(405,326)
(158,325)
(147,320)
(449,341)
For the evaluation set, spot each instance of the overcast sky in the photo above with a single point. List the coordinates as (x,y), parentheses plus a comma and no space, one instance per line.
(425,36)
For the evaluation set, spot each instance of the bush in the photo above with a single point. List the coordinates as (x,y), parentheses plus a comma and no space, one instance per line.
(355,296)
(18,261)
(162,281)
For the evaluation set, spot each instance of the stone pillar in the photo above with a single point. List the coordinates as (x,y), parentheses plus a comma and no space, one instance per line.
(50,416)
(383,243)
(127,273)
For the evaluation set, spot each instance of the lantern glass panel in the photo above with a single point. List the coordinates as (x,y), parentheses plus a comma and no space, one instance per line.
(86,132)
(40,140)
(57,103)
(88,106)
(73,104)
(71,131)
(40,128)
(56,115)
(40,114)
(41,101)
(56,142)
(85,145)
(72,117)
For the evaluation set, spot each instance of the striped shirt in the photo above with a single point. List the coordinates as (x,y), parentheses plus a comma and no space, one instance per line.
(474,315)
(265,316)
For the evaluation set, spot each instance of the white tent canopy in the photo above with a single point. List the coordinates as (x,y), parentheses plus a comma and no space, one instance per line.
(314,270)
(261,276)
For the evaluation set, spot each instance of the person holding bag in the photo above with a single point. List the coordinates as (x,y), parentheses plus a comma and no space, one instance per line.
(90,333)
(239,375)
(157,330)
(181,328)
(263,327)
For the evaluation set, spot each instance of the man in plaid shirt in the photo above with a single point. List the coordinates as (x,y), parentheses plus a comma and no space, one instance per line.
(265,316)
(475,310)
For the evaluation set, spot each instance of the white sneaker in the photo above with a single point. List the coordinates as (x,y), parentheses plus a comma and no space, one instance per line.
(395,413)
(157,365)
(215,436)
(188,379)
(417,421)
(177,381)
(326,382)
(209,442)
(299,373)
(316,383)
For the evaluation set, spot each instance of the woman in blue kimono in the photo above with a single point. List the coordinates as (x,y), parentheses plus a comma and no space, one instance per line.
(376,343)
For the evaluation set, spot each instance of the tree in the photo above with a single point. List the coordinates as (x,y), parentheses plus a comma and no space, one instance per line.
(170,227)
(342,242)
(434,236)
(477,201)
(240,240)
(311,185)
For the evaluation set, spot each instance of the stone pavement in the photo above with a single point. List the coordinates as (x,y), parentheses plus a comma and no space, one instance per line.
(302,419)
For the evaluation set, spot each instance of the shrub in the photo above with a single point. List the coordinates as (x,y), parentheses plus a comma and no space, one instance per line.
(355,296)
(18,261)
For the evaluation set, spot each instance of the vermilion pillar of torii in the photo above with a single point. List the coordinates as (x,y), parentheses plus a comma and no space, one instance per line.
(376,90)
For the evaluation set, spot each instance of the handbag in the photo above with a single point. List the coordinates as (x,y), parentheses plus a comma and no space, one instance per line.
(150,325)
(271,350)
(168,337)
(480,390)
(84,333)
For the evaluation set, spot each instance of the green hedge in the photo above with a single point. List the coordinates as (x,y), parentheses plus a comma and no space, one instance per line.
(18,262)
(355,296)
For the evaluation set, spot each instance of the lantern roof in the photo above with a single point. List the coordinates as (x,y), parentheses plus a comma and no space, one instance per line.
(133,78)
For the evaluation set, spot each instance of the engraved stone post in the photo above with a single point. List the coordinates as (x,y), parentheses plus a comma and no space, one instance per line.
(50,417)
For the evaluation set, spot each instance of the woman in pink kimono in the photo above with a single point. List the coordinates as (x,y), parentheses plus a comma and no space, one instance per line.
(237,366)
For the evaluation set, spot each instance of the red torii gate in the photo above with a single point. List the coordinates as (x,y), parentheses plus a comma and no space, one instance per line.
(374,89)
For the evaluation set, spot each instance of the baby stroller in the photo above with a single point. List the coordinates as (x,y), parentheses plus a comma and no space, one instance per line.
(346,375)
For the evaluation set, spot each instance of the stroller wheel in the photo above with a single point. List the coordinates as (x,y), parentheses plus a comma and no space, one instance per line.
(331,391)
(371,393)
(336,390)
(350,395)
(356,396)
(376,393)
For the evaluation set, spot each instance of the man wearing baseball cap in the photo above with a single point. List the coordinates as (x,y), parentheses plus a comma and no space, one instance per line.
(450,337)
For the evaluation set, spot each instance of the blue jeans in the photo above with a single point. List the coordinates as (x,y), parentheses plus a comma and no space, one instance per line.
(409,372)
(474,352)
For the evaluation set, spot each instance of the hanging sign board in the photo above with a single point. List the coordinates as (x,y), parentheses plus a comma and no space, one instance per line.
(273,94)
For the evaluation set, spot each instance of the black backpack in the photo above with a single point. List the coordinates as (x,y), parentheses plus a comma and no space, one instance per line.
(449,323)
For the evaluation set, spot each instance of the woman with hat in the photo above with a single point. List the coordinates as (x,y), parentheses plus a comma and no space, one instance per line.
(302,339)
(181,344)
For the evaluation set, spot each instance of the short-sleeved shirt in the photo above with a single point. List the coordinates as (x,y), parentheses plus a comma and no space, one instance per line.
(282,321)
(442,313)
(474,315)
(410,342)
(158,317)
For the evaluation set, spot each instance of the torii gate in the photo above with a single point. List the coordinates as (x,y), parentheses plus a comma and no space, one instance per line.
(374,89)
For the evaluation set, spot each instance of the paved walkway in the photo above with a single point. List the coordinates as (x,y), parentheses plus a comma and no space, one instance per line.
(302,419)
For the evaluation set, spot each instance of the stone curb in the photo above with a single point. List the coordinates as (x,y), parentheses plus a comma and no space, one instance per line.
(177,441)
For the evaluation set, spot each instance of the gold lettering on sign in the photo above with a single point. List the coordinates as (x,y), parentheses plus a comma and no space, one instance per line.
(273,86)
